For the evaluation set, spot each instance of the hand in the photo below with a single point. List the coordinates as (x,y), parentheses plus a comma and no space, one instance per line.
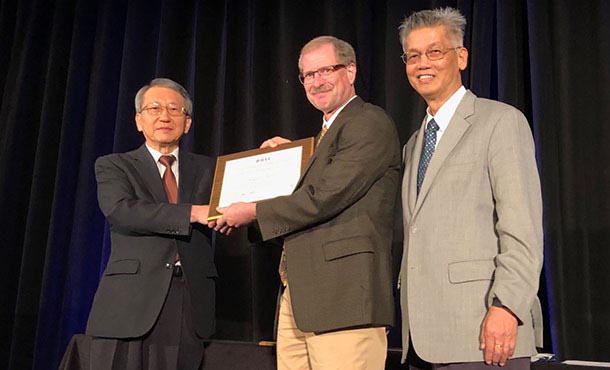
(199,213)
(226,229)
(235,215)
(274,142)
(498,335)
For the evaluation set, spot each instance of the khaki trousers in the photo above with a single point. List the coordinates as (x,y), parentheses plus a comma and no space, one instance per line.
(340,350)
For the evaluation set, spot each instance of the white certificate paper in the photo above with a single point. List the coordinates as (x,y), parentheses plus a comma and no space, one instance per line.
(258,174)
(261,176)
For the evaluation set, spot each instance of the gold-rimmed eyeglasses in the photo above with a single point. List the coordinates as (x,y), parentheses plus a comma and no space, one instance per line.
(414,57)
(324,72)
(156,109)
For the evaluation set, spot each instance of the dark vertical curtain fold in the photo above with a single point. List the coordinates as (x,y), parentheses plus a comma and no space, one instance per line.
(71,68)
(570,96)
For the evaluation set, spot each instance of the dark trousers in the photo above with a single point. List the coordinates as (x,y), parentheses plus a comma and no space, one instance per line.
(172,343)
(414,362)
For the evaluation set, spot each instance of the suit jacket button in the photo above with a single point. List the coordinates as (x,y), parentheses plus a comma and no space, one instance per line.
(414,229)
(169,266)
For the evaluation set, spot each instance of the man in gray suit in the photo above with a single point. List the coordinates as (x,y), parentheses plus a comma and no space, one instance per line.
(336,225)
(472,214)
(155,301)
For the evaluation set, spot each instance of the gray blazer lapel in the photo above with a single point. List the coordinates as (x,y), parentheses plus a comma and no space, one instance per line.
(455,130)
(147,168)
(413,165)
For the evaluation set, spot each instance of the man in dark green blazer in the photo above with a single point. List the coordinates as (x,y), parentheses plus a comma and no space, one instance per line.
(336,225)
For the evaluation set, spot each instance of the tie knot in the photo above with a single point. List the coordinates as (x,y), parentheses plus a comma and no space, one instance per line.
(322,133)
(432,125)
(167,160)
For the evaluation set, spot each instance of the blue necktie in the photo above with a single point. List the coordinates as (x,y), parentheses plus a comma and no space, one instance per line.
(426,152)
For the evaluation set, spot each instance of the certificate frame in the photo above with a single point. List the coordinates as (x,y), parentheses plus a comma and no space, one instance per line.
(306,145)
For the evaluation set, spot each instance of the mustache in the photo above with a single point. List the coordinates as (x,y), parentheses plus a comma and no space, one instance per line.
(320,89)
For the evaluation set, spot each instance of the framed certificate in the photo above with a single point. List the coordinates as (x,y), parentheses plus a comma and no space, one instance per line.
(258,174)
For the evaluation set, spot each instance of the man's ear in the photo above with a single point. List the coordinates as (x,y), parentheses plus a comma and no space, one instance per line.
(187,126)
(351,72)
(463,58)
(138,123)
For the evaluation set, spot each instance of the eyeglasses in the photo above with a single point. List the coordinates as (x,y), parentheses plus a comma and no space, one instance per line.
(432,54)
(324,72)
(157,109)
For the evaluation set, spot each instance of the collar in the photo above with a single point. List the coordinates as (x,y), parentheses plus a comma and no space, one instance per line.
(156,154)
(445,113)
(334,115)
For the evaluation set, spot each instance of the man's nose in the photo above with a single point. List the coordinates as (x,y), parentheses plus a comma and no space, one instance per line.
(164,114)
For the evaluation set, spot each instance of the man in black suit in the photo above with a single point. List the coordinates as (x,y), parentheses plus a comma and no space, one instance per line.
(155,301)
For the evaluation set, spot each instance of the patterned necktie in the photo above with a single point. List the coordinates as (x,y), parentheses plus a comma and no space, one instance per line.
(321,134)
(169,180)
(282,268)
(426,152)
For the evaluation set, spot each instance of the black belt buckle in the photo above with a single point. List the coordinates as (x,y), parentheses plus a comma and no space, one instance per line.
(177,270)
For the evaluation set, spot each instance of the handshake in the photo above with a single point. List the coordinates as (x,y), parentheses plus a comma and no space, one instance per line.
(237,214)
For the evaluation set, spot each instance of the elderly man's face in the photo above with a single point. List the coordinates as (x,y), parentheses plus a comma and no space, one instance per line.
(434,80)
(329,93)
(163,131)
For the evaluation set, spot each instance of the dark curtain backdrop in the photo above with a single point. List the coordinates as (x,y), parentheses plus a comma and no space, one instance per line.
(69,70)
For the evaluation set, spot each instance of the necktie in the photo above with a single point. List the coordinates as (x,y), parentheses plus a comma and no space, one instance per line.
(169,180)
(170,184)
(426,152)
(321,134)
(282,268)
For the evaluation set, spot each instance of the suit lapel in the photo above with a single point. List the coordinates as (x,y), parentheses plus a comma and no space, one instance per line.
(412,166)
(185,189)
(330,135)
(307,167)
(147,168)
(455,131)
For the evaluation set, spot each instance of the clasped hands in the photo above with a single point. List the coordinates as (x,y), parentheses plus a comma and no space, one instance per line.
(241,213)
(233,216)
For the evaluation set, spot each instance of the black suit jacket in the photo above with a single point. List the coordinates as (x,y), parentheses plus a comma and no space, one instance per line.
(146,233)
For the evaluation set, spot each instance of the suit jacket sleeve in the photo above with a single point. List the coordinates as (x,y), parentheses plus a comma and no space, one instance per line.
(516,190)
(128,205)
(362,151)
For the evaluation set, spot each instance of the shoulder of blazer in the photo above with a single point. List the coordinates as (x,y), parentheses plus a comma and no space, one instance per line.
(140,154)
(198,159)
(472,105)
(356,103)
(370,117)
(357,106)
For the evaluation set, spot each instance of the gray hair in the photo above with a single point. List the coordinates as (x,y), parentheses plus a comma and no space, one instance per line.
(344,52)
(452,19)
(170,84)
